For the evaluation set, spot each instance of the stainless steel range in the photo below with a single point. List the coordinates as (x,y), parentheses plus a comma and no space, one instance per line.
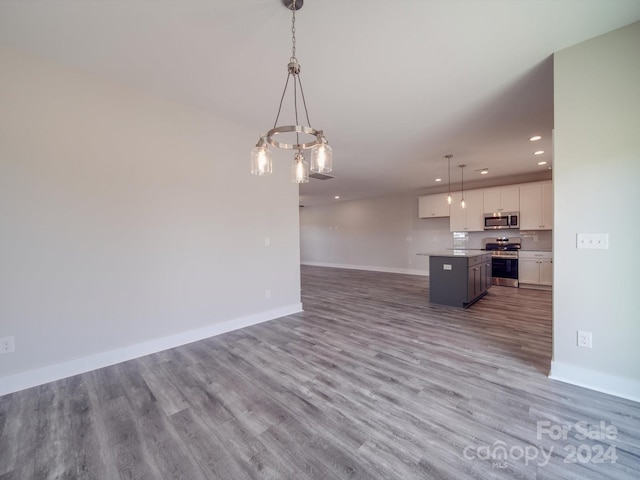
(504,260)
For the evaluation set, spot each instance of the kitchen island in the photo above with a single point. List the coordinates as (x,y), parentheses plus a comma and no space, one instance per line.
(459,277)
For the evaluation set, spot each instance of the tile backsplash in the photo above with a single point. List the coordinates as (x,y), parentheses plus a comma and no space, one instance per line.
(537,240)
(531,240)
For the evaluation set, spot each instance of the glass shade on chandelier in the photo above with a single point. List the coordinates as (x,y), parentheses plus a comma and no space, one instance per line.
(321,154)
(321,157)
(261,159)
(299,169)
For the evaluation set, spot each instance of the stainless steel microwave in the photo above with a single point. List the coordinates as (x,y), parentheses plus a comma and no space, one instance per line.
(501,220)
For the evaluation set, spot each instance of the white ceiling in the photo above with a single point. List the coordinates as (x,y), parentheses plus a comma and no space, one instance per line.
(395,84)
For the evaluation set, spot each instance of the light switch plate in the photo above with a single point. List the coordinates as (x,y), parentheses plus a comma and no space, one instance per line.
(598,241)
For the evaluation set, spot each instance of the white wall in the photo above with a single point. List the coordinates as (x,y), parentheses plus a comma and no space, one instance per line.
(596,173)
(382,233)
(128,224)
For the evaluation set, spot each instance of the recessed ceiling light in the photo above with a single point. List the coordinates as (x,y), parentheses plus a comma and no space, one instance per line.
(535,138)
(539,152)
(484,171)
(542,163)
(438,179)
(337,197)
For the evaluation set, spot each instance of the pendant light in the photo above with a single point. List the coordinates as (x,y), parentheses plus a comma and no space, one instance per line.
(449,157)
(462,202)
(321,154)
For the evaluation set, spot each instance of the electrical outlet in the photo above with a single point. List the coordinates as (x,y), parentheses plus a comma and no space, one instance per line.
(267,294)
(584,339)
(7,345)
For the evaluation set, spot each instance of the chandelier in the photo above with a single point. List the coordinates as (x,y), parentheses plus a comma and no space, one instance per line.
(321,155)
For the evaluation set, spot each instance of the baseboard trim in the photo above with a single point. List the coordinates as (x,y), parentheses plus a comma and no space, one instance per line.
(370,268)
(593,380)
(51,373)
(536,287)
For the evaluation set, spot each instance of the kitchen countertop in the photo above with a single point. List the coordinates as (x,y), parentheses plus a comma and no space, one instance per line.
(460,252)
(455,253)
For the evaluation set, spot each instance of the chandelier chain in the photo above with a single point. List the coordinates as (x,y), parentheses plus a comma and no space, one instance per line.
(293,30)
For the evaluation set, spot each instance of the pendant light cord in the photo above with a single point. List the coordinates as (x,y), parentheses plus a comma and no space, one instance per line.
(449,176)
(449,157)
(462,169)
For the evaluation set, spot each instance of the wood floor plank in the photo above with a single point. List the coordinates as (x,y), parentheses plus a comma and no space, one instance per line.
(18,440)
(167,451)
(162,383)
(125,441)
(209,445)
(65,417)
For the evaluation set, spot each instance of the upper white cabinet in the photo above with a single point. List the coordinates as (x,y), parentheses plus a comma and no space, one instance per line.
(471,218)
(432,206)
(502,199)
(536,206)
(534,201)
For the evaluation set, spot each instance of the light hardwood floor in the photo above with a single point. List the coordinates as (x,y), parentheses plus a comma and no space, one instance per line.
(370,382)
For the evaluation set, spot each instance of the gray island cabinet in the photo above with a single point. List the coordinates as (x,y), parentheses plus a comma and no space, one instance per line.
(459,277)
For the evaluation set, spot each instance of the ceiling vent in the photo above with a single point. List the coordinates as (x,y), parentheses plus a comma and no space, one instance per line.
(320,176)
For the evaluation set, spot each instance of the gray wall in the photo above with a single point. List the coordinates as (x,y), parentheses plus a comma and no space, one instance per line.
(596,172)
(128,224)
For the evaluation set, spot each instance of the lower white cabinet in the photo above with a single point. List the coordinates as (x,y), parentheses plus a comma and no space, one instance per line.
(535,268)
